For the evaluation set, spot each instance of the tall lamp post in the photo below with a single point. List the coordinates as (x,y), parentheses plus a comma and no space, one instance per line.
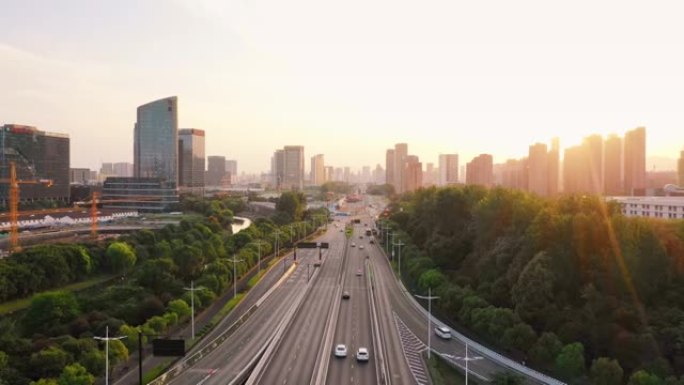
(106,339)
(429,298)
(235,262)
(258,243)
(400,244)
(466,358)
(277,246)
(192,289)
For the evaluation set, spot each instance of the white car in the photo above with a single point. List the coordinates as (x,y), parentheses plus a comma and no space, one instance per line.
(361,247)
(362,355)
(353,244)
(443,332)
(340,350)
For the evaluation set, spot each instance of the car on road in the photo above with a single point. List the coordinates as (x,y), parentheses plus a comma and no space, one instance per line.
(345,295)
(361,247)
(358,272)
(362,355)
(353,244)
(360,236)
(341,350)
(443,332)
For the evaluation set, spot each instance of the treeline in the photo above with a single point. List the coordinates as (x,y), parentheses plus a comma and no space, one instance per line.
(567,285)
(51,342)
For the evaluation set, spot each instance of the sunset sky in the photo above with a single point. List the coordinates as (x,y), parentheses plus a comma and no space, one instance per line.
(348,78)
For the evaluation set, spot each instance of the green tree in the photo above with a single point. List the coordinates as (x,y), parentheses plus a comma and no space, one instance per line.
(643,377)
(49,361)
(121,257)
(42,381)
(50,309)
(291,203)
(533,292)
(94,362)
(606,371)
(180,307)
(521,337)
(117,352)
(570,361)
(75,374)
(546,349)
(3,360)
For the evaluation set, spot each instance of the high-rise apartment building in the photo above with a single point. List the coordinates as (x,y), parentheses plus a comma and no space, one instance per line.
(347,175)
(635,161)
(479,171)
(593,152)
(191,157)
(554,167)
(513,174)
(365,174)
(448,169)
(680,170)
(538,170)
(124,169)
(216,170)
(389,167)
(36,155)
(573,170)
(413,174)
(400,155)
(612,166)
(329,173)
(287,168)
(79,175)
(155,153)
(318,170)
(378,175)
(232,170)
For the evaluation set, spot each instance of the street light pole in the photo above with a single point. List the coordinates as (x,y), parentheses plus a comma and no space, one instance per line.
(235,262)
(106,339)
(192,290)
(429,298)
(466,358)
(400,244)
(258,243)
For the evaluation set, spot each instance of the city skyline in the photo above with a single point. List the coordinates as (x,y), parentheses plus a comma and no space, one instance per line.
(254,81)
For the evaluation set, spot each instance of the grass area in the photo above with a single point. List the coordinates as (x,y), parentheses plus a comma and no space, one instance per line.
(155,372)
(442,373)
(20,304)
(253,281)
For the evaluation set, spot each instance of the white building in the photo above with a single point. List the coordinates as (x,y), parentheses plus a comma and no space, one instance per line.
(653,207)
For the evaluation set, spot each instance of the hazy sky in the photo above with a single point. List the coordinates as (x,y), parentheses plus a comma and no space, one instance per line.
(348,78)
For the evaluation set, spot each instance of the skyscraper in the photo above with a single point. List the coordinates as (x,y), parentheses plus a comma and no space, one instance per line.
(278,168)
(413,174)
(554,167)
(538,170)
(232,170)
(293,167)
(593,153)
(448,169)
(680,170)
(191,158)
(216,170)
(635,161)
(612,166)
(479,171)
(36,155)
(155,152)
(389,167)
(400,154)
(317,169)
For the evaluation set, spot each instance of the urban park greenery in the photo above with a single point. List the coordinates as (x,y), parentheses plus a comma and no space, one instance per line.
(51,342)
(568,285)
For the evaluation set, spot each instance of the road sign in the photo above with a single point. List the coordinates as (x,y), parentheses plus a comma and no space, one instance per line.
(168,348)
(307,245)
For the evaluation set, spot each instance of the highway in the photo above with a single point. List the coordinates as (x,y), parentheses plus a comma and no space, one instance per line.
(229,359)
(354,322)
(295,359)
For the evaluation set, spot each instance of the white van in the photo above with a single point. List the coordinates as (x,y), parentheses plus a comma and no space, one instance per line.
(443,332)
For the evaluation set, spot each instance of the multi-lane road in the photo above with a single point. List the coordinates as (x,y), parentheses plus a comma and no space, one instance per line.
(296,326)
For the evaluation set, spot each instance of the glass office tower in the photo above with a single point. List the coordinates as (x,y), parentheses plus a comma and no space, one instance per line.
(156,140)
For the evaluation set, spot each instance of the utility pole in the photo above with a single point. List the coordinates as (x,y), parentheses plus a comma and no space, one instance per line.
(192,289)
(277,246)
(235,262)
(429,298)
(106,339)
(258,243)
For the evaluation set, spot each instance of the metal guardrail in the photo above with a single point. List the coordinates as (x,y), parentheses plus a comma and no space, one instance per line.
(381,369)
(492,355)
(320,374)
